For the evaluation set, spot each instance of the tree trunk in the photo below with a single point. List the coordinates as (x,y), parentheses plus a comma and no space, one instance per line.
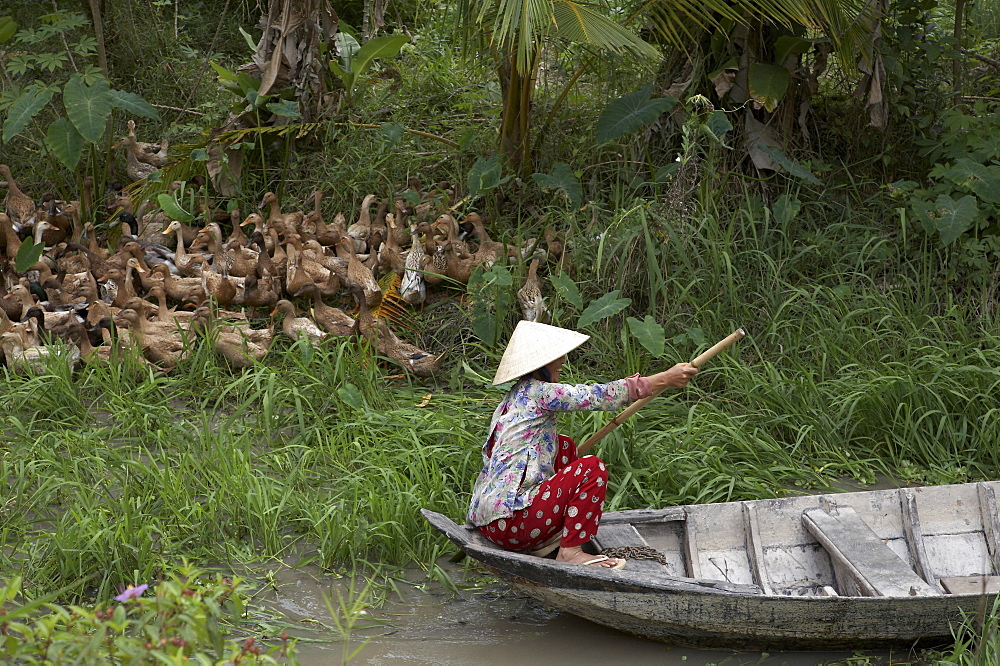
(518,90)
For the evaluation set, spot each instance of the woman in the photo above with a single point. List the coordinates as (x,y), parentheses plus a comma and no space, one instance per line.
(534,494)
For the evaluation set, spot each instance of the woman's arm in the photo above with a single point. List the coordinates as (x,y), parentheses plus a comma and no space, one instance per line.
(677,376)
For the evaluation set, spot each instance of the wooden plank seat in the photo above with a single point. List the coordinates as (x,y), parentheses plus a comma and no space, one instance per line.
(862,561)
(623,535)
(972,584)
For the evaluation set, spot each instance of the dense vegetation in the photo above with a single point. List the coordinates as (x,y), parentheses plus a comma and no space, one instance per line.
(863,263)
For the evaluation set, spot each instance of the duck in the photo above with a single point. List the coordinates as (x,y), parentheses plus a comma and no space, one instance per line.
(332,320)
(378,229)
(316,252)
(293,327)
(9,303)
(30,359)
(400,218)
(165,349)
(20,207)
(181,289)
(154,154)
(489,251)
(122,279)
(390,255)
(362,229)
(410,357)
(236,237)
(45,326)
(326,235)
(365,325)
(220,286)
(303,267)
(258,229)
(339,228)
(136,169)
(284,222)
(90,342)
(11,241)
(435,261)
(530,295)
(260,292)
(362,276)
(229,340)
(80,283)
(412,288)
(164,313)
(186,264)
(239,261)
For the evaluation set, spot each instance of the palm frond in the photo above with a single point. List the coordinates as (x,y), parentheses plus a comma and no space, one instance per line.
(578,23)
(392,306)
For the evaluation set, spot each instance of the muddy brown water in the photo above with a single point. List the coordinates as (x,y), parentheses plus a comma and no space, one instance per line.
(481,623)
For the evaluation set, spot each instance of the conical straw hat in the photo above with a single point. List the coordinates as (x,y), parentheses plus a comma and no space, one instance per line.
(533,345)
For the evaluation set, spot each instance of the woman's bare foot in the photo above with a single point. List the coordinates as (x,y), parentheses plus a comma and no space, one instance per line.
(575,555)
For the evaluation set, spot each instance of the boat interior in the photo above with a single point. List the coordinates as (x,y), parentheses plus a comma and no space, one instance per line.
(925,541)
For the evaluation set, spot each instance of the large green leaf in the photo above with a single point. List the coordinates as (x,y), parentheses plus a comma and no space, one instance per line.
(785,209)
(981,179)
(789,165)
(65,143)
(134,104)
(630,113)
(949,217)
(8,26)
(32,100)
(717,125)
(606,306)
(561,178)
(768,83)
(485,175)
(649,333)
(27,255)
(566,288)
(88,107)
(788,45)
(354,66)
(173,209)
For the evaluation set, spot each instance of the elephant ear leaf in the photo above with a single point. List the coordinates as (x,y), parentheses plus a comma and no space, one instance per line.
(8,28)
(649,333)
(606,306)
(32,100)
(27,256)
(88,107)
(173,209)
(65,143)
(561,179)
(630,113)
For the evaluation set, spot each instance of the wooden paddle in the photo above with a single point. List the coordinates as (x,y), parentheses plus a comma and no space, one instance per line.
(622,416)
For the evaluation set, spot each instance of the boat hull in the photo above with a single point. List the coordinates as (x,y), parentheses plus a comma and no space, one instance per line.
(771,574)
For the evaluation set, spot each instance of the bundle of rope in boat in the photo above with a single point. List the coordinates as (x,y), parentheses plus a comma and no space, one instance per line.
(636,553)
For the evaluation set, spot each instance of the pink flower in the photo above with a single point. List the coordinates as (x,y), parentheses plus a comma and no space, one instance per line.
(131,592)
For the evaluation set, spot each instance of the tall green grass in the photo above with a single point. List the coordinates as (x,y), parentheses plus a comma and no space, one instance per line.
(852,369)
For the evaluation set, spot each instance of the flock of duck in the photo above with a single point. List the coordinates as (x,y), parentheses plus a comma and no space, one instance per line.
(165,280)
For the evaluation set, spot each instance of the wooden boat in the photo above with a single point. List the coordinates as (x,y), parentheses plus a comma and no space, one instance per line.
(860,569)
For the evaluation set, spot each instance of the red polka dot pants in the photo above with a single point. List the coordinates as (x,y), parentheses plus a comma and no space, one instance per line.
(570,502)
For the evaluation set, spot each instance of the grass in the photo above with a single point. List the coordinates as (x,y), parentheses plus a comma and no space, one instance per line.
(117,472)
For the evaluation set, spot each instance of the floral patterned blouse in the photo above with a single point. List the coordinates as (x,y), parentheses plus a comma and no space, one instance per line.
(519,454)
